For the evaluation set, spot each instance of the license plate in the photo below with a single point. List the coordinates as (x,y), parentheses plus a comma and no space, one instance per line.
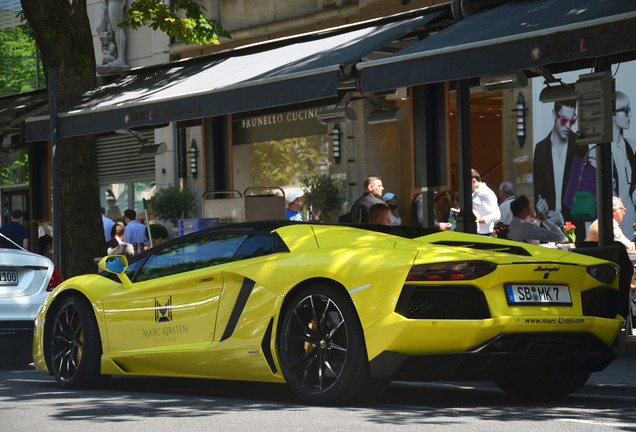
(538,294)
(8,277)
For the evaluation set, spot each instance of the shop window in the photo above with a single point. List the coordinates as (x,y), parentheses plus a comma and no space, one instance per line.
(143,190)
(14,167)
(114,198)
(280,162)
(117,197)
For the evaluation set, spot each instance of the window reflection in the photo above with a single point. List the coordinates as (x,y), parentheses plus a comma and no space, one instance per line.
(204,252)
(114,198)
(191,255)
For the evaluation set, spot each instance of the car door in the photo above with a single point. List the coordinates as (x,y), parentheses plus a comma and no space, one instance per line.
(173,302)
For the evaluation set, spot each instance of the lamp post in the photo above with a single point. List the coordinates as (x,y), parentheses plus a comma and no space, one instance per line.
(335,138)
(194,152)
(520,109)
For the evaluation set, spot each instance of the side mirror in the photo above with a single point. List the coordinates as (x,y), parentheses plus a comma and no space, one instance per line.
(116,264)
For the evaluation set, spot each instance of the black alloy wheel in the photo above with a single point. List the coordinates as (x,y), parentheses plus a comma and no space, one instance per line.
(75,346)
(322,348)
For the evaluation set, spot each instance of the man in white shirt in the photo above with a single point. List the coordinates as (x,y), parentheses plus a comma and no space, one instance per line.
(524,230)
(484,205)
(618,212)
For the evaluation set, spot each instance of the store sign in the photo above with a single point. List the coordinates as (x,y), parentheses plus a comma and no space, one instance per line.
(277,126)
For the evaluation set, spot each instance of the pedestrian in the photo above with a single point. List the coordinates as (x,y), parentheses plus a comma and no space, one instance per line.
(506,195)
(392,201)
(417,211)
(373,189)
(135,231)
(45,246)
(484,205)
(15,231)
(294,204)
(117,246)
(380,214)
(522,227)
(108,225)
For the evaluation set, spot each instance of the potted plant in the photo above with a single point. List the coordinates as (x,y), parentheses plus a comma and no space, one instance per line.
(324,194)
(173,203)
(159,233)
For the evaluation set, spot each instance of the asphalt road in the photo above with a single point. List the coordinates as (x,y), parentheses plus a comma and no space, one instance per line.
(30,400)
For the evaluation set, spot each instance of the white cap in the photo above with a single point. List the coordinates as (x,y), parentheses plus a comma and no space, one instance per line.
(292,195)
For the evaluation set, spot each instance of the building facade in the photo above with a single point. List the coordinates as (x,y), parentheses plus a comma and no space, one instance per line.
(279,147)
(448,123)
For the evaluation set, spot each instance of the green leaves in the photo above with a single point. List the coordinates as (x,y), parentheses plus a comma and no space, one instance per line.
(173,203)
(17,63)
(83,64)
(195,27)
(325,193)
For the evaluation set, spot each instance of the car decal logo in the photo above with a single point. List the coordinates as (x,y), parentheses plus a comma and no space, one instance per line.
(547,270)
(163,313)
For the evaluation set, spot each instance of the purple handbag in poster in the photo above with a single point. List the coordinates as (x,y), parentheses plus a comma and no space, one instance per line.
(582,178)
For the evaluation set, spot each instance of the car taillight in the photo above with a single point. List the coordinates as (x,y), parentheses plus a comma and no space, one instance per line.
(56,279)
(463,270)
(605,273)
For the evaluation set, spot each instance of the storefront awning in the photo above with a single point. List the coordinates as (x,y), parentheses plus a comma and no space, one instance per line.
(517,35)
(277,73)
(15,108)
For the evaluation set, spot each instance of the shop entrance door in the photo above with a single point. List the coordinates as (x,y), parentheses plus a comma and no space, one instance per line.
(13,199)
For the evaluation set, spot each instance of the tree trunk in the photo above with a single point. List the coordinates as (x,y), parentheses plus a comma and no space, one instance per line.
(64,38)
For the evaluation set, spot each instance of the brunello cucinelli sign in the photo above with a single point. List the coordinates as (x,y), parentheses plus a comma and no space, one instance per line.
(276,126)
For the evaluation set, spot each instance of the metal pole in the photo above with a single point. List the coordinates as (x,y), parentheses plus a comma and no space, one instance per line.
(467,222)
(147,222)
(604,181)
(55,171)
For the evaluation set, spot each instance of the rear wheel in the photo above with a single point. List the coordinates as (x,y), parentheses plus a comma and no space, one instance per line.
(322,348)
(549,382)
(75,345)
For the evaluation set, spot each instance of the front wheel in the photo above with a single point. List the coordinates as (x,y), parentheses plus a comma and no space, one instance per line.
(322,348)
(75,345)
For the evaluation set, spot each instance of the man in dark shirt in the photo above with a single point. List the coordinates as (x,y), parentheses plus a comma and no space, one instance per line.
(15,231)
(373,189)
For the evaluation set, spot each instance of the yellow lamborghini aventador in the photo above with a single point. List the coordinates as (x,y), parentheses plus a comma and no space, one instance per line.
(336,312)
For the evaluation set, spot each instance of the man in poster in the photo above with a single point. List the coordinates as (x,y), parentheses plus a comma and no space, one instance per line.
(553,157)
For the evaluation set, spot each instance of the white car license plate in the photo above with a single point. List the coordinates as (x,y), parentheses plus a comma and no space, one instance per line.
(8,277)
(538,294)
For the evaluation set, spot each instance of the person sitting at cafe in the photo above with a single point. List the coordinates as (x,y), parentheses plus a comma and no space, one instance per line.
(618,212)
(380,214)
(524,229)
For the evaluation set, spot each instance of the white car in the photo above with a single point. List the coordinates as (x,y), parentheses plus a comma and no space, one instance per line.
(26,279)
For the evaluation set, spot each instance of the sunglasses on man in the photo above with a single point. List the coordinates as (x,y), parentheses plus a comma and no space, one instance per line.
(564,121)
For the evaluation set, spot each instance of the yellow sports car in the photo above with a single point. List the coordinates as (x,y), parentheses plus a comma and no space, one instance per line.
(336,312)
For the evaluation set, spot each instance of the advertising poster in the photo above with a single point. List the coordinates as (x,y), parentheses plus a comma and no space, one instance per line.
(561,168)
